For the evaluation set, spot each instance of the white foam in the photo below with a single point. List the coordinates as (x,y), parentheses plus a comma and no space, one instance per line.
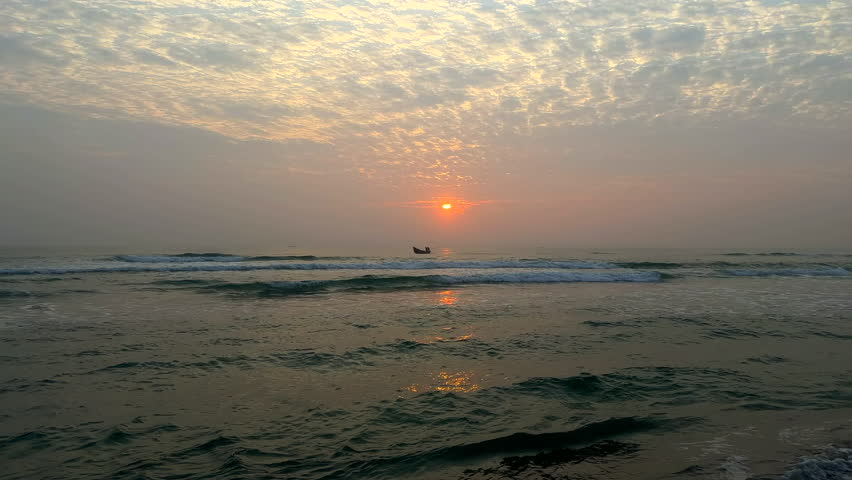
(520,277)
(793,272)
(179,259)
(834,464)
(400,265)
(550,277)
(436,264)
(734,468)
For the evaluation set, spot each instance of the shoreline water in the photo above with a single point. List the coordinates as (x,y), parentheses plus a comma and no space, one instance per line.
(124,374)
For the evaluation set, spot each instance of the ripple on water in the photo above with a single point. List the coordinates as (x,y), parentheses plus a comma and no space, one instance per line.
(540,464)
(552,444)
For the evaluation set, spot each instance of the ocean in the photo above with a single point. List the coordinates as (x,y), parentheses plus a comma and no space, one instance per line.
(464,364)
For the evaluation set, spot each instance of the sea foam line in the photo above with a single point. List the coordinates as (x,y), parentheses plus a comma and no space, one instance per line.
(792,272)
(836,463)
(207,257)
(400,265)
(373,282)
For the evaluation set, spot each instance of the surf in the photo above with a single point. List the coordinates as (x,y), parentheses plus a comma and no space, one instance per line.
(236,266)
(373,282)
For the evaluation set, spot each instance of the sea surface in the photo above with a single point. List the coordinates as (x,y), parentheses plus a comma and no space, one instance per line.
(464,364)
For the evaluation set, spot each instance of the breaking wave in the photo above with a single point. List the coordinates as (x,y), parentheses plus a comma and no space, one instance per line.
(784,254)
(834,464)
(792,272)
(371,282)
(551,444)
(207,257)
(393,265)
(15,294)
(525,442)
(673,265)
(763,254)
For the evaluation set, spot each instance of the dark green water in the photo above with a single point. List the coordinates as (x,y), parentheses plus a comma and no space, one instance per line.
(318,365)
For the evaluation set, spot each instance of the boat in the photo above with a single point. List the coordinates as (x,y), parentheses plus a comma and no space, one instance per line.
(422,252)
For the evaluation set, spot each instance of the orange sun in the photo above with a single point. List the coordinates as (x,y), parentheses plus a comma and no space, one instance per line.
(447,206)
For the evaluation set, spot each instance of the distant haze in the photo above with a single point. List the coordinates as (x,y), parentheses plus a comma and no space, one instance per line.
(325,123)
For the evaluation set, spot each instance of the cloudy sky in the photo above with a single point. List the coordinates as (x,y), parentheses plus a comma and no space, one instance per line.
(339,122)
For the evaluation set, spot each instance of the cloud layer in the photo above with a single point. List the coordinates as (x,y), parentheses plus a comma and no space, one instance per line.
(429,89)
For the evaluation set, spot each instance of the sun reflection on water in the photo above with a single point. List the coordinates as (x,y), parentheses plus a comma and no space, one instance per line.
(448,298)
(445,381)
(441,339)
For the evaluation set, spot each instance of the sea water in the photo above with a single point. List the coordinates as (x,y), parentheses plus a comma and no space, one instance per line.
(464,364)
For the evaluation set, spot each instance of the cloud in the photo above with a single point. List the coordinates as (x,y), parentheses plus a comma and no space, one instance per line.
(673,39)
(356,74)
(437,202)
(28,49)
(215,55)
(152,58)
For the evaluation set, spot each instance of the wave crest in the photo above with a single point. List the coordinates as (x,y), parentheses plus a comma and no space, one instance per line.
(836,463)
(207,257)
(388,265)
(372,282)
(791,272)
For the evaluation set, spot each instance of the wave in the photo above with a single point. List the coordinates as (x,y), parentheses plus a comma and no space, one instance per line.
(763,254)
(835,463)
(792,272)
(393,265)
(15,294)
(525,442)
(784,254)
(657,265)
(678,385)
(723,265)
(207,257)
(671,265)
(203,262)
(372,282)
(519,442)
(511,467)
(12,294)
(182,282)
(398,265)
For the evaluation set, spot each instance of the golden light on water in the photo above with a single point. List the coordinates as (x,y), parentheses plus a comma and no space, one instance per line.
(444,381)
(455,382)
(440,339)
(448,298)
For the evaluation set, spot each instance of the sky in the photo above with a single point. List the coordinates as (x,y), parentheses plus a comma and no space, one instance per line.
(610,123)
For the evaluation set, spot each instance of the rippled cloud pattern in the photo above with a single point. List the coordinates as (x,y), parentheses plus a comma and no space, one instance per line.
(423,88)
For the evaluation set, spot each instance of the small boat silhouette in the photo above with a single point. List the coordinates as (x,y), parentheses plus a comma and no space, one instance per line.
(417,250)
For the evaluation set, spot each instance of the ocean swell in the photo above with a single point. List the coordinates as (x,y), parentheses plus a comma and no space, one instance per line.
(389,265)
(373,282)
(207,257)
(514,443)
(790,272)
(834,464)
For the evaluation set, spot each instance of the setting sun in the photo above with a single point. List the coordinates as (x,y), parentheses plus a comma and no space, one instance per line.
(447,206)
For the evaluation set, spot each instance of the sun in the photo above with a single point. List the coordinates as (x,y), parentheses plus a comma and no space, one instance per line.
(447,206)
